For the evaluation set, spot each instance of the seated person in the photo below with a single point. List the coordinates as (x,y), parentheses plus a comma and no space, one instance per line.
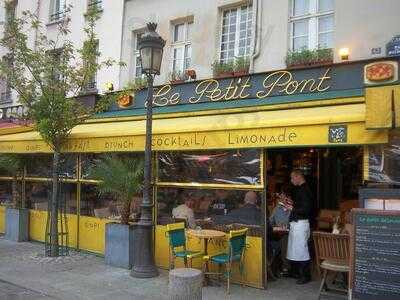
(222,204)
(185,211)
(249,213)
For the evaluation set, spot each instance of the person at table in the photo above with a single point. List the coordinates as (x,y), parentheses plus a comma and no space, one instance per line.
(298,253)
(185,211)
(249,213)
(222,204)
(280,219)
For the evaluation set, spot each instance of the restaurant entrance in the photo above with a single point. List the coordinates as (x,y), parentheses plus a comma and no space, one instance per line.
(333,175)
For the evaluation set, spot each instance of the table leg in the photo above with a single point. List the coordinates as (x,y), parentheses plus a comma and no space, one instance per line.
(206,268)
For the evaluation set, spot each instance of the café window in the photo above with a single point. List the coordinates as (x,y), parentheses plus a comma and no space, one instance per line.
(38,195)
(181,46)
(95,204)
(236,33)
(6,193)
(40,166)
(384,161)
(221,209)
(230,167)
(311,24)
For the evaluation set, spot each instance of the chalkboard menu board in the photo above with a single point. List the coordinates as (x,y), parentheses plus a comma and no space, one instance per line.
(376,256)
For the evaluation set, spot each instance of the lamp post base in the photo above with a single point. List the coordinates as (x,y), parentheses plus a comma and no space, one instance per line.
(144,266)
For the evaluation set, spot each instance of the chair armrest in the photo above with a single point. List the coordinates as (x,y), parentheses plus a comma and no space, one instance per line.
(193,255)
(208,257)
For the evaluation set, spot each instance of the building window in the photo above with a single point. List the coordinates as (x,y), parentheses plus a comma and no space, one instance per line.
(181,47)
(236,34)
(95,4)
(57,10)
(136,55)
(5,87)
(312,24)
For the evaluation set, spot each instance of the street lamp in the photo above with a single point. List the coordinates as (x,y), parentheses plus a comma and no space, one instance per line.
(151,50)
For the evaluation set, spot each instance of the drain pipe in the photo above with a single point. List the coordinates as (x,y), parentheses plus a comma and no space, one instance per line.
(257,21)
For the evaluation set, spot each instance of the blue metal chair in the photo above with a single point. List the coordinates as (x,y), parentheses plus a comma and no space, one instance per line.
(177,245)
(234,253)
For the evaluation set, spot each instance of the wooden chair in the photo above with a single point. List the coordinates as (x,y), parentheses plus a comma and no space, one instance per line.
(181,220)
(332,252)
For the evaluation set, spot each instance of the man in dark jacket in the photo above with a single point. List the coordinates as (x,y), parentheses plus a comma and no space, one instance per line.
(248,214)
(299,232)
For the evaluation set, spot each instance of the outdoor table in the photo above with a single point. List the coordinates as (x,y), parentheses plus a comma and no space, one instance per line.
(206,235)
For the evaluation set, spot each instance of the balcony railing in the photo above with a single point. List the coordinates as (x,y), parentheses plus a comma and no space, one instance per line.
(5,97)
(57,16)
(12,112)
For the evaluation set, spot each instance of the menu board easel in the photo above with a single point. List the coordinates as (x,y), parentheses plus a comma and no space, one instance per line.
(375,255)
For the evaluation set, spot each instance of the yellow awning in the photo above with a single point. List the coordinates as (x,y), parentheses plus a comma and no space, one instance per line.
(293,127)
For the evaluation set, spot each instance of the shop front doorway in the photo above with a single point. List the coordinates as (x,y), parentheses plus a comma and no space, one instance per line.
(333,176)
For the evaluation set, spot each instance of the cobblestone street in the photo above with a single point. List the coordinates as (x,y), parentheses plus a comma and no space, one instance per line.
(26,274)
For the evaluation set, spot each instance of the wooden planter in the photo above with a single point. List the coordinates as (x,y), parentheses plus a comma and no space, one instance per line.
(241,73)
(177,81)
(224,75)
(310,64)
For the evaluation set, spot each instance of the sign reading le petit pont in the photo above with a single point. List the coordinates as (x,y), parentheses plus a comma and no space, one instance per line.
(283,86)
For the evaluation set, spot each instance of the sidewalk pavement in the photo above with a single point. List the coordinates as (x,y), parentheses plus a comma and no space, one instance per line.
(26,274)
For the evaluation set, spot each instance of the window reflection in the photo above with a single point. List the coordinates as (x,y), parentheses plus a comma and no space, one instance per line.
(38,194)
(240,167)
(98,205)
(5,193)
(40,165)
(209,208)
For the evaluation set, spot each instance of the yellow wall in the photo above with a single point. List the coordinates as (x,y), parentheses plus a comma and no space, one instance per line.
(2,219)
(37,227)
(92,234)
(253,261)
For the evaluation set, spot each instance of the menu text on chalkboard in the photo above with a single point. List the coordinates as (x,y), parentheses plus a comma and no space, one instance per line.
(376,273)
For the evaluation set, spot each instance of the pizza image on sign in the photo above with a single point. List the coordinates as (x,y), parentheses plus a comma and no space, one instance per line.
(380,72)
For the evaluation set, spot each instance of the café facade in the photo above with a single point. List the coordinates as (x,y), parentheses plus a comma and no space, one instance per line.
(221,137)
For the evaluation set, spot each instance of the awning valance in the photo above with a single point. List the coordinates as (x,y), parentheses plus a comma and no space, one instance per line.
(317,126)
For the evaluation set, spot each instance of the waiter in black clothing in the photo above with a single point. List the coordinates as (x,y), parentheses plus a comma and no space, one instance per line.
(299,232)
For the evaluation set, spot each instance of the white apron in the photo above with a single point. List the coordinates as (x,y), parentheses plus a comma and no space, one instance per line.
(299,233)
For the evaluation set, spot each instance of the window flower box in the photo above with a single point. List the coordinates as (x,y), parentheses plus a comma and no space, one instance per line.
(308,58)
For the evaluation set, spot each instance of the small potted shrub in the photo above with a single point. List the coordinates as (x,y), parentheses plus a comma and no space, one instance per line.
(122,178)
(222,69)
(242,65)
(177,77)
(306,58)
(17,217)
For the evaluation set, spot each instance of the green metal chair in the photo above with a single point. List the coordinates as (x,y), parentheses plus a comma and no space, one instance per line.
(234,253)
(177,245)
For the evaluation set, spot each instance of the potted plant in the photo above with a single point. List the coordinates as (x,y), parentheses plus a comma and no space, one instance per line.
(177,77)
(122,178)
(306,58)
(222,69)
(242,65)
(17,217)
